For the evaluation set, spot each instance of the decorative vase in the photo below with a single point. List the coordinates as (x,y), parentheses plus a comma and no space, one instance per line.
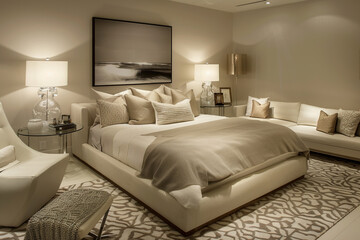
(35,125)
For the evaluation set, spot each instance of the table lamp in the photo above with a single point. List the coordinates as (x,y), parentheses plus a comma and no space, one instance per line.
(47,75)
(207,73)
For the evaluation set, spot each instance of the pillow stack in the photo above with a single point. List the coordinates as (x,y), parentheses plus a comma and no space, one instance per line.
(345,122)
(162,105)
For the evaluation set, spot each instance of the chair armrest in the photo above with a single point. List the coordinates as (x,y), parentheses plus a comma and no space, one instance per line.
(239,110)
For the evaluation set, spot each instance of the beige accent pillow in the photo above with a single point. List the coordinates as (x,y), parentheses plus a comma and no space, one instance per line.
(358,131)
(249,103)
(348,122)
(167,90)
(148,95)
(107,97)
(165,98)
(178,96)
(140,110)
(260,110)
(113,112)
(173,113)
(326,123)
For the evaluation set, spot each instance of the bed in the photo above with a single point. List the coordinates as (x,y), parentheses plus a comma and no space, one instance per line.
(215,201)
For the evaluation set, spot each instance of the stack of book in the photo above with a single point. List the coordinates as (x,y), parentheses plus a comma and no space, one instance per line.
(62,126)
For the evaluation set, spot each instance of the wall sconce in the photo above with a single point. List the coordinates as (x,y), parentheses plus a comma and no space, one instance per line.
(236,67)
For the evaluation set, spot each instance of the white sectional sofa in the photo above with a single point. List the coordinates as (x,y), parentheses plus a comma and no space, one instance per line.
(302,119)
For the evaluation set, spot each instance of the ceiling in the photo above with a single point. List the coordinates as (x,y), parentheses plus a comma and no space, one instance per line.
(232,5)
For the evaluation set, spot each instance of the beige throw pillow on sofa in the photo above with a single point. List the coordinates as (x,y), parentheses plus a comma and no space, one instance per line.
(326,123)
(145,94)
(348,122)
(260,110)
(140,110)
(249,104)
(113,112)
(173,113)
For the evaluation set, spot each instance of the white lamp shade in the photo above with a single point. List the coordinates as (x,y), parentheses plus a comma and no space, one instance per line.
(46,73)
(207,72)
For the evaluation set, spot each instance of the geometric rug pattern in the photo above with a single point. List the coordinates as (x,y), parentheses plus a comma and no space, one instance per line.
(304,209)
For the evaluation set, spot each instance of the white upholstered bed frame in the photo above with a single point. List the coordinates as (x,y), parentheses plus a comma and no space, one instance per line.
(215,204)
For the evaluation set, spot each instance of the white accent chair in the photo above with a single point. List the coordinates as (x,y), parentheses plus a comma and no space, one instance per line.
(29,185)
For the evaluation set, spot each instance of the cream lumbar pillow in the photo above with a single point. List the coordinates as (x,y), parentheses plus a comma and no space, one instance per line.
(178,97)
(326,123)
(348,122)
(249,103)
(7,157)
(173,113)
(260,110)
(140,110)
(113,112)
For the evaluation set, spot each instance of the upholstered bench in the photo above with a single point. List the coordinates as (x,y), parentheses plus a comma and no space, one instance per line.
(70,216)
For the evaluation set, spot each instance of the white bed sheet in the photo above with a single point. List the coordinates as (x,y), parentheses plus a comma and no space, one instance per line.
(127,144)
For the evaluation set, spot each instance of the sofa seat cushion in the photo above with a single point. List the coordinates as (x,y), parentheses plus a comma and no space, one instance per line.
(274,120)
(309,133)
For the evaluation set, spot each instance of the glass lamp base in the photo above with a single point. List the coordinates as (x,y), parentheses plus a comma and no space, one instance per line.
(47,109)
(207,95)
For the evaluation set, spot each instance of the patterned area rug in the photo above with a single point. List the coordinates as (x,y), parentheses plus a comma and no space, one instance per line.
(304,209)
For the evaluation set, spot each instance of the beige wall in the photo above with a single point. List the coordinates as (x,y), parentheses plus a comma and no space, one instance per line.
(61,30)
(307,52)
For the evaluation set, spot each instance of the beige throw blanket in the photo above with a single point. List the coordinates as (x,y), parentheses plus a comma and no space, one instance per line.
(209,152)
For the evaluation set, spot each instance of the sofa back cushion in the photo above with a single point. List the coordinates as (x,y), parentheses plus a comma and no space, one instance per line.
(309,115)
(285,110)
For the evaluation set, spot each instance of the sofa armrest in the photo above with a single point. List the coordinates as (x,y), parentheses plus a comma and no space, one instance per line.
(239,110)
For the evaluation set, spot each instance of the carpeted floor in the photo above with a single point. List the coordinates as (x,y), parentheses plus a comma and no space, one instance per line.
(304,209)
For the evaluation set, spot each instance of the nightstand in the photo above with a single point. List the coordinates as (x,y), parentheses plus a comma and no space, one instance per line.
(220,109)
(48,132)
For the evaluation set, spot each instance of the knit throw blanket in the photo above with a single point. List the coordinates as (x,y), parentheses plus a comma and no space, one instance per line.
(62,217)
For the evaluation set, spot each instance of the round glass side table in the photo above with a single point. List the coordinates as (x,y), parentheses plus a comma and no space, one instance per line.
(48,132)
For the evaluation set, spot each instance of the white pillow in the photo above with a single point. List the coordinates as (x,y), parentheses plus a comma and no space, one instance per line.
(172,113)
(102,95)
(249,103)
(7,157)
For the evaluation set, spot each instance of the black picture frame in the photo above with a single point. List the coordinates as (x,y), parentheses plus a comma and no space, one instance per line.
(130,53)
(218,99)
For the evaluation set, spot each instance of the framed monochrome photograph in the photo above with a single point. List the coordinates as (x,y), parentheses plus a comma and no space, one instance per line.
(127,53)
(226,91)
